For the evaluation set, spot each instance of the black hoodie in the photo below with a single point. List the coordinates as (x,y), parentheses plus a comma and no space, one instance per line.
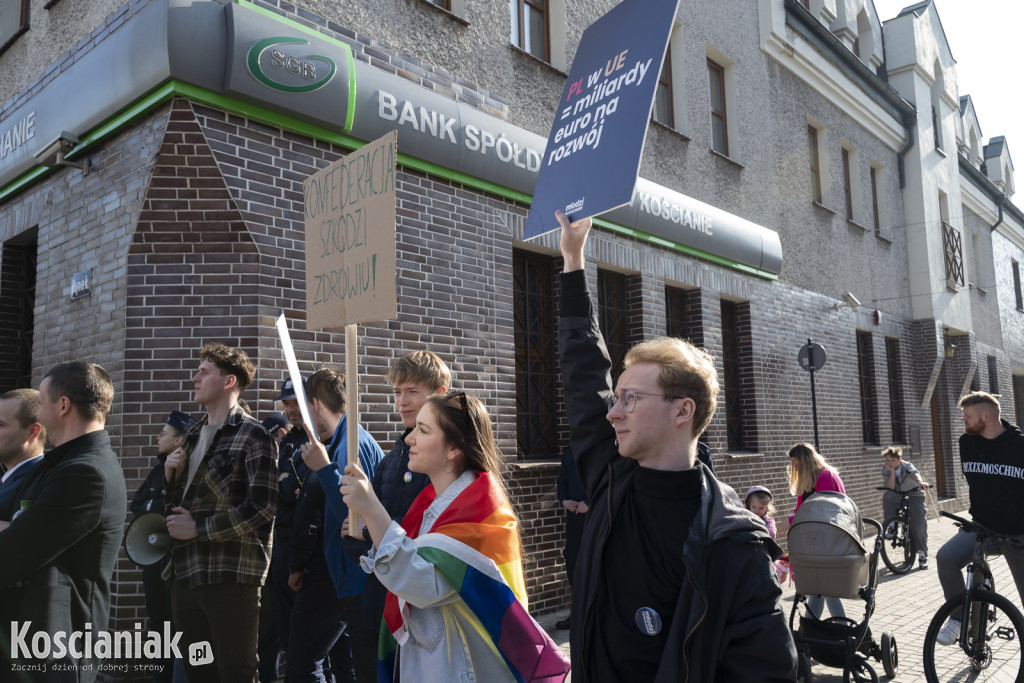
(994,469)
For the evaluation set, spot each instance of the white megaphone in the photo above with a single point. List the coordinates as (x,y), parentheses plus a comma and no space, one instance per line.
(147,540)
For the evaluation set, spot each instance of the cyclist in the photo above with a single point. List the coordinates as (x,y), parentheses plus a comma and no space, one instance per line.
(992,459)
(903,477)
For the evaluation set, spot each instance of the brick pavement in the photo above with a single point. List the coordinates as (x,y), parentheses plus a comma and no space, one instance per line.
(904,605)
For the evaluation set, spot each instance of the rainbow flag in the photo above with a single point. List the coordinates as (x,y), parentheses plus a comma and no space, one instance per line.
(475,546)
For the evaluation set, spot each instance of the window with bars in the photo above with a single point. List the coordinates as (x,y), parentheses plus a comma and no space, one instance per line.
(530,27)
(719,121)
(612,317)
(1017,293)
(897,411)
(683,315)
(737,365)
(812,148)
(663,112)
(993,376)
(13,21)
(952,244)
(868,397)
(17,306)
(536,349)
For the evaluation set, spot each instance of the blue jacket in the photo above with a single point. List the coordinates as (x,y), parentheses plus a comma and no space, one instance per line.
(348,578)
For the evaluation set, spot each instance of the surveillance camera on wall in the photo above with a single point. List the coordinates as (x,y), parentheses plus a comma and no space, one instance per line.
(850,300)
(53,153)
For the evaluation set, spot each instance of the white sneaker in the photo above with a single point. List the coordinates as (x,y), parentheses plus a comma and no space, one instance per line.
(922,561)
(949,633)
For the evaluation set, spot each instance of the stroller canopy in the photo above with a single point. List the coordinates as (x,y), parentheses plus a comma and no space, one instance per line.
(826,547)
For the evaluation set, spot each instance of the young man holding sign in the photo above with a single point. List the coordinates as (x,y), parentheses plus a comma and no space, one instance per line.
(693,600)
(325,391)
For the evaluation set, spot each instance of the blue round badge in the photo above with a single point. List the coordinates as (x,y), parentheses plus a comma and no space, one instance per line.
(407,477)
(648,621)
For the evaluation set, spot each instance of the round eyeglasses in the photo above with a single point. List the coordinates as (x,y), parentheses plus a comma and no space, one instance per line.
(628,398)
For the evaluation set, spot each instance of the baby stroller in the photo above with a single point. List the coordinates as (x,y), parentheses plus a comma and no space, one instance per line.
(828,558)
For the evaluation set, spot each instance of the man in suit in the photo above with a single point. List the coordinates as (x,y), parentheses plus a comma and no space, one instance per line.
(21,444)
(59,553)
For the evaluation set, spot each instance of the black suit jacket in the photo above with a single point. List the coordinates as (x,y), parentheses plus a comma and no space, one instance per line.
(59,555)
(9,500)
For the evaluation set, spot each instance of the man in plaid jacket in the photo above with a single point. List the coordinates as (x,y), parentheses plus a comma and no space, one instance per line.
(224,484)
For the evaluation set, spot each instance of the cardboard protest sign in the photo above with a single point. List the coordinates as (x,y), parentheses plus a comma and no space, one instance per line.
(594,149)
(350,238)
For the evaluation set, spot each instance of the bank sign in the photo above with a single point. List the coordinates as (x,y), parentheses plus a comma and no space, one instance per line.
(268,63)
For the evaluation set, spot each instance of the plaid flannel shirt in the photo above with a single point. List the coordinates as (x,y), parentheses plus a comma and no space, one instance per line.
(233,498)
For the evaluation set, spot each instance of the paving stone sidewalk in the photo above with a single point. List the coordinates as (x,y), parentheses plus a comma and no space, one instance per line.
(904,605)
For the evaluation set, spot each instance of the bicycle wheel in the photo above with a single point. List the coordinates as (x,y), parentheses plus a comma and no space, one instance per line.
(993,651)
(898,552)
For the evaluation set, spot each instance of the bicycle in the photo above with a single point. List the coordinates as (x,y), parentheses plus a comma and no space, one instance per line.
(899,548)
(988,647)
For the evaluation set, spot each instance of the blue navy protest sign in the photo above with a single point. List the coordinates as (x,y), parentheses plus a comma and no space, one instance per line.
(594,149)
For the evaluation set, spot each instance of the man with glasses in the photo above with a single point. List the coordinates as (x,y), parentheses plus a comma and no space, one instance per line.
(674,578)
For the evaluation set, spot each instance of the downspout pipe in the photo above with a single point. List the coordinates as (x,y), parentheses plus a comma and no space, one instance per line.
(1000,205)
(910,124)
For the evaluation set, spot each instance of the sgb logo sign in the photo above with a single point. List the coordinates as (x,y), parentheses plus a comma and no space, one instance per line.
(283,64)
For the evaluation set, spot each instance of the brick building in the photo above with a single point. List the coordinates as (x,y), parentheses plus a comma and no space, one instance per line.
(828,165)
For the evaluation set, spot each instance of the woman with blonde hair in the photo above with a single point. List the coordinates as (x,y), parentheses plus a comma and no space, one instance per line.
(810,473)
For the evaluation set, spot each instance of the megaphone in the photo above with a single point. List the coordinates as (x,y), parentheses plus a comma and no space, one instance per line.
(147,540)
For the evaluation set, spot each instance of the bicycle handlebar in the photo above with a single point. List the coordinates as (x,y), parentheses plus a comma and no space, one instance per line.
(982,532)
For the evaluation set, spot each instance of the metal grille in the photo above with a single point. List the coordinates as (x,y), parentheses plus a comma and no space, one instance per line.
(952,244)
(899,421)
(611,297)
(993,376)
(868,399)
(535,342)
(733,384)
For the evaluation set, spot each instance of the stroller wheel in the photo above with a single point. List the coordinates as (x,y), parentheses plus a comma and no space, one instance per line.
(890,655)
(857,670)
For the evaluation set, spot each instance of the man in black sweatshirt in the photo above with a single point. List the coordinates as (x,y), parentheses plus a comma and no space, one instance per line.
(992,459)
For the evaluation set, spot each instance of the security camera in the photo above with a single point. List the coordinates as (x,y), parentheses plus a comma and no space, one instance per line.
(850,300)
(52,154)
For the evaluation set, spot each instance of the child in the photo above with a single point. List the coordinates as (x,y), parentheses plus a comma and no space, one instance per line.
(759,501)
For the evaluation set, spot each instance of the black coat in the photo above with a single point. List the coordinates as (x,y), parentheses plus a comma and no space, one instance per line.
(63,548)
(728,624)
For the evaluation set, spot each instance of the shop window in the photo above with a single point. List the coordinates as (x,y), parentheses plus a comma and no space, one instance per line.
(738,368)
(13,22)
(868,396)
(536,349)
